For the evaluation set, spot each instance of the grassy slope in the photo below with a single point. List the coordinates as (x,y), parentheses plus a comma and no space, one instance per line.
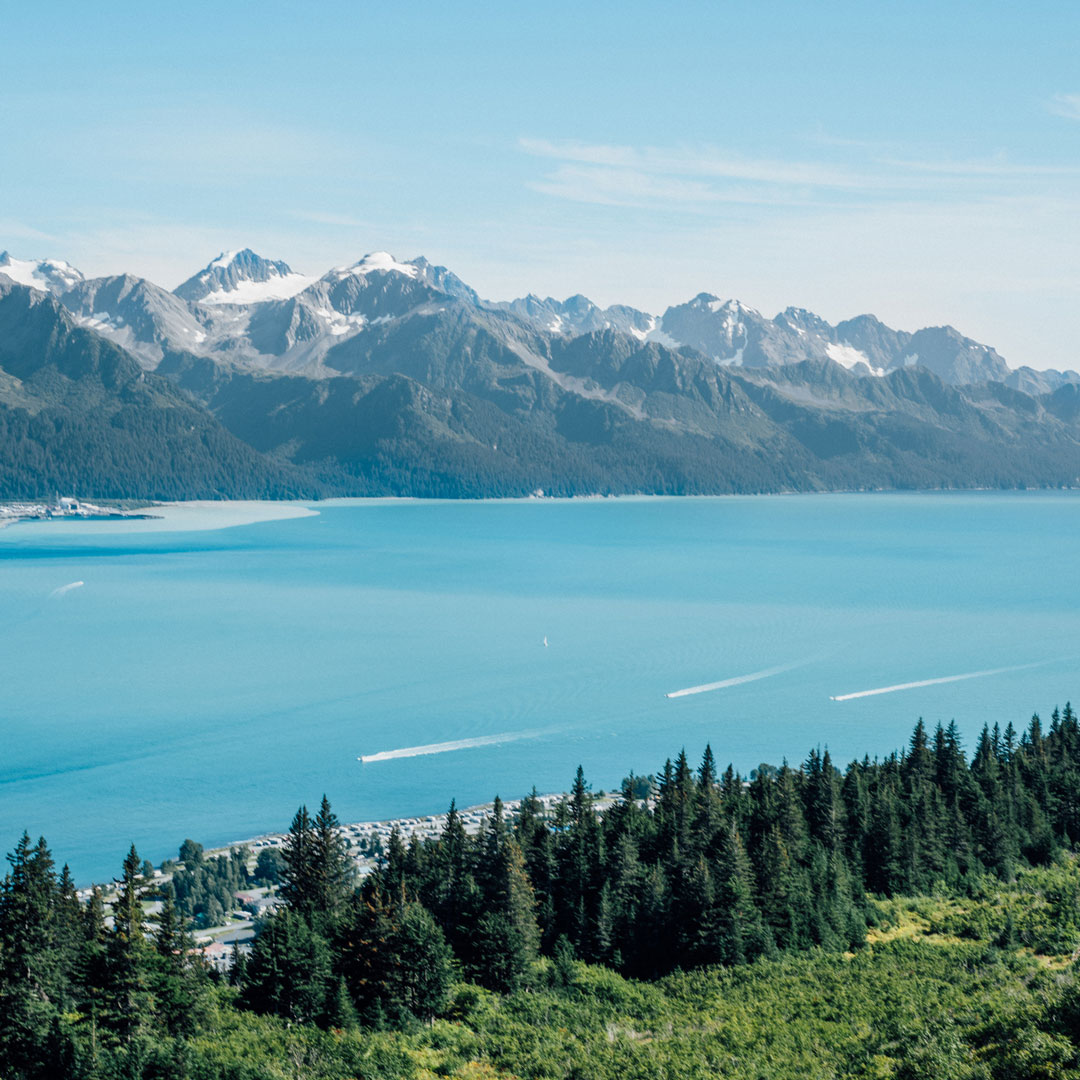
(947,987)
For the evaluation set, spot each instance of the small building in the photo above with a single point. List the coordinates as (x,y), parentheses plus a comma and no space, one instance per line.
(220,955)
(265,905)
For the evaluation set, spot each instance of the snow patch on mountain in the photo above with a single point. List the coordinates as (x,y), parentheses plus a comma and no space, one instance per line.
(242,277)
(850,357)
(657,335)
(103,322)
(246,309)
(48,275)
(276,287)
(644,333)
(375,262)
(338,324)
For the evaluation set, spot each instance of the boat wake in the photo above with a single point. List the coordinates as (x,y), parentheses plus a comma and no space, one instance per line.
(446,747)
(938,681)
(736,680)
(66,589)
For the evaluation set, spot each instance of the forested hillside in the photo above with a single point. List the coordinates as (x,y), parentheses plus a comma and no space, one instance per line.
(763,920)
(78,415)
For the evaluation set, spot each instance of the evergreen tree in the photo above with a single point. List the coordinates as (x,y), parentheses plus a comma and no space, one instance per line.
(34,963)
(175,981)
(332,873)
(129,1005)
(289,972)
(298,877)
(91,972)
(363,946)
(419,979)
(776,889)
(508,938)
(737,933)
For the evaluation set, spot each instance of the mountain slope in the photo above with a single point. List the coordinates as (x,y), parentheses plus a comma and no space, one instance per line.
(386,376)
(136,314)
(78,414)
(604,413)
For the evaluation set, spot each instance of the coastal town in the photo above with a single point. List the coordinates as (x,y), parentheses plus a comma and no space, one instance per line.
(366,843)
(63,507)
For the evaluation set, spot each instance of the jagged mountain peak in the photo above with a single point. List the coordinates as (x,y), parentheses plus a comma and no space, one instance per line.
(956,358)
(382,268)
(803,321)
(708,302)
(242,277)
(224,311)
(579,302)
(444,280)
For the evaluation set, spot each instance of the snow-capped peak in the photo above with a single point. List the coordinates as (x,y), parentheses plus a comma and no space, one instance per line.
(48,275)
(708,302)
(375,262)
(242,277)
(226,258)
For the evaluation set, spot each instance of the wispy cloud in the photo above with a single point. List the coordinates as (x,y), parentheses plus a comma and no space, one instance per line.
(1067,105)
(17,230)
(704,178)
(608,186)
(689,161)
(998,166)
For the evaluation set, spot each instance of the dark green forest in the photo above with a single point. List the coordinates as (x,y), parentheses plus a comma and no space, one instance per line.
(912,916)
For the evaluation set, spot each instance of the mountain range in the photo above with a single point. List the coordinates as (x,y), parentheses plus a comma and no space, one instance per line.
(396,377)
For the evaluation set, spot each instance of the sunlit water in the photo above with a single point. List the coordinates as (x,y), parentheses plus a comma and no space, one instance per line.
(204,683)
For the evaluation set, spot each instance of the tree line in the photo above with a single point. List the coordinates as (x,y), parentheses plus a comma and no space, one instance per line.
(705,869)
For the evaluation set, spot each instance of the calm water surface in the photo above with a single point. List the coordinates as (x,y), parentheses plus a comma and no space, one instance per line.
(204,683)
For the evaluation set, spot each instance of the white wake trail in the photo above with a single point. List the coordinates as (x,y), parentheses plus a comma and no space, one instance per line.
(446,747)
(735,681)
(938,681)
(66,588)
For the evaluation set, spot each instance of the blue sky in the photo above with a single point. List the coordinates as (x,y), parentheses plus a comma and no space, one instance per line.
(917,160)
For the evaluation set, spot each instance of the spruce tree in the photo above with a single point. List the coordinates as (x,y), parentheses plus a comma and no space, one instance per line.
(419,980)
(128,1001)
(297,877)
(737,931)
(332,871)
(35,963)
(289,972)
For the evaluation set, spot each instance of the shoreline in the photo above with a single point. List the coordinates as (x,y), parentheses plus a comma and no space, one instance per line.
(209,515)
(420,825)
(365,842)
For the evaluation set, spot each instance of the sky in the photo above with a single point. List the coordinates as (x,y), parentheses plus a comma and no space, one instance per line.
(920,161)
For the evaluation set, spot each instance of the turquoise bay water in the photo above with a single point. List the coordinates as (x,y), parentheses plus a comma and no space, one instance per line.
(204,683)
